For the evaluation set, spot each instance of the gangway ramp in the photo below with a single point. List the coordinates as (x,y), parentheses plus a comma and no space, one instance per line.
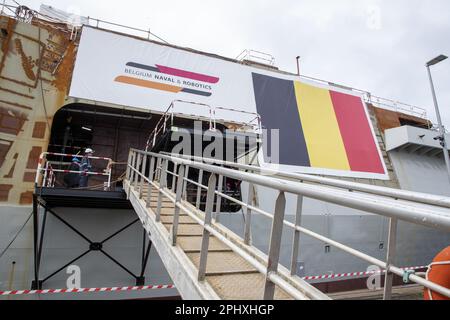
(234,270)
(228,276)
(208,261)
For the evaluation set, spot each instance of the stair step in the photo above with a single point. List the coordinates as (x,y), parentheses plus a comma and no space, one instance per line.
(187,230)
(155,199)
(165,205)
(183,220)
(230,275)
(243,287)
(223,263)
(194,244)
(168,212)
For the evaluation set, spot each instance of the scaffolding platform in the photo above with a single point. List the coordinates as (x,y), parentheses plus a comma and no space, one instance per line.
(52,199)
(73,198)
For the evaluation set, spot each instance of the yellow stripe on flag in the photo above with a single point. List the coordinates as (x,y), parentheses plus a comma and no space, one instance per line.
(321,129)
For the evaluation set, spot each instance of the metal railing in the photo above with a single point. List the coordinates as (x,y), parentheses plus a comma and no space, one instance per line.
(49,176)
(46,174)
(163,123)
(255,123)
(151,169)
(395,194)
(383,103)
(256,56)
(397,106)
(23,13)
(98,23)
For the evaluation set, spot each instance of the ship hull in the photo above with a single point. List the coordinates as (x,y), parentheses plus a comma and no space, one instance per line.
(368,233)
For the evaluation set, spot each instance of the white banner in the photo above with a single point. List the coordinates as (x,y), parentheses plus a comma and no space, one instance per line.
(128,71)
(323,130)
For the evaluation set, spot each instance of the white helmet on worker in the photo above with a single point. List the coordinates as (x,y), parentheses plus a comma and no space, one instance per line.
(89,150)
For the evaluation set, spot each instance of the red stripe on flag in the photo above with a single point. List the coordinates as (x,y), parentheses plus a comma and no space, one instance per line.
(359,142)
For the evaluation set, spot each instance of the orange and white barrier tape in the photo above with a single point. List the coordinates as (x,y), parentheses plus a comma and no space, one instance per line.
(75,156)
(91,290)
(355,274)
(143,288)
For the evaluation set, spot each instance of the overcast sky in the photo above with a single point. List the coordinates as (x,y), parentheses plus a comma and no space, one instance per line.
(377,45)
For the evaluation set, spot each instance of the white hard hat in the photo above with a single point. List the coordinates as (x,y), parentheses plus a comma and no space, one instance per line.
(89,150)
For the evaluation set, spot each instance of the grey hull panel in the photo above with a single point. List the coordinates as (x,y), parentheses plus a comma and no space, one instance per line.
(417,246)
(61,245)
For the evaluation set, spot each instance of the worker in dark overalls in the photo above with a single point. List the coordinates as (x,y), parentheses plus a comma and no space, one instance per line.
(72,179)
(85,168)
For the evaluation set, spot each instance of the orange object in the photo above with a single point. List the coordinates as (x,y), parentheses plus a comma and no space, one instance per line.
(439,273)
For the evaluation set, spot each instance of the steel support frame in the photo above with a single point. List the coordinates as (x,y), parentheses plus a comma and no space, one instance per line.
(163,185)
(275,245)
(199,189)
(296,237)
(248,215)
(179,195)
(219,199)
(208,221)
(38,239)
(151,177)
(390,259)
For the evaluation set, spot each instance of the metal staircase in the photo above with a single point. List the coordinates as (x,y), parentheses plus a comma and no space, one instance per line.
(208,261)
(212,116)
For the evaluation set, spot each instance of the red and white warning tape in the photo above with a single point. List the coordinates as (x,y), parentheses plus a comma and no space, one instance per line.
(143,288)
(91,290)
(354,274)
(73,156)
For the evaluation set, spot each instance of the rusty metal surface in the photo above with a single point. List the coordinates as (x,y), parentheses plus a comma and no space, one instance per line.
(388,119)
(36,64)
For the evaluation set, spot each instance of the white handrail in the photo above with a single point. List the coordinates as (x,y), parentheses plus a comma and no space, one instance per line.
(170,113)
(97,22)
(272,276)
(430,216)
(258,55)
(430,199)
(43,159)
(384,103)
(257,117)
